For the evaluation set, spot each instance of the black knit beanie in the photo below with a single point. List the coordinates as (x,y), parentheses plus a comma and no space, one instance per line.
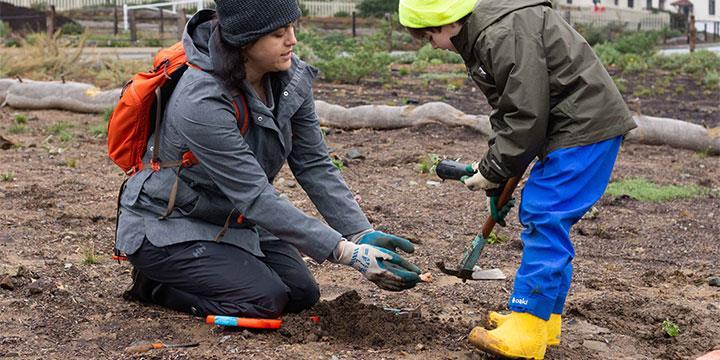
(244,21)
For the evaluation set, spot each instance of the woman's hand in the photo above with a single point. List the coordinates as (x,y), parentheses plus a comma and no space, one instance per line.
(388,270)
(383,240)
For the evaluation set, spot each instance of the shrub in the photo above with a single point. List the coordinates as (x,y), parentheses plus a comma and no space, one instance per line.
(377,8)
(72,28)
(4,29)
(712,80)
(636,43)
(633,63)
(434,56)
(702,60)
(608,54)
(341,14)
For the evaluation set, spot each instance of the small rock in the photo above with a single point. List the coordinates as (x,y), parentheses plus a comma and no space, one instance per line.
(712,307)
(353,154)
(598,346)
(290,184)
(224,338)
(39,286)
(432,184)
(714,281)
(68,265)
(312,338)
(413,183)
(7,283)
(419,347)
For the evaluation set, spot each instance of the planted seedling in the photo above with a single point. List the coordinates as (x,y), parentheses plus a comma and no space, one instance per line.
(427,164)
(670,328)
(338,164)
(71,163)
(494,238)
(20,119)
(7,176)
(89,256)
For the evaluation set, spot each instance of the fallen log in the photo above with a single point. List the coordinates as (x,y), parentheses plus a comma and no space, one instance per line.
(80,97)
(71,96)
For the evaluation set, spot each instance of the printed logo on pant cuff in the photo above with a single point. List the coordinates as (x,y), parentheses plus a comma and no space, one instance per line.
(522,301)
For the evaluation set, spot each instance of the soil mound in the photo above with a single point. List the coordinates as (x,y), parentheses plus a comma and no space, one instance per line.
(349,321)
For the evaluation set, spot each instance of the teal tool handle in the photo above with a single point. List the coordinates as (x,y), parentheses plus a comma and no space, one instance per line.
(472,255)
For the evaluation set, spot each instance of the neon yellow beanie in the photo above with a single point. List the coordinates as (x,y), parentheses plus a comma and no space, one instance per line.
(430,13)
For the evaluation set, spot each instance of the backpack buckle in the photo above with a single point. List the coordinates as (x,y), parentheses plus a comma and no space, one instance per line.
(155,165)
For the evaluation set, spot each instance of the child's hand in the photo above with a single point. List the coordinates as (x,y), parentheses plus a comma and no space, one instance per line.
(479,182)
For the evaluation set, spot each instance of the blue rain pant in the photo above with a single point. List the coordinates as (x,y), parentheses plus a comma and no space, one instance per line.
(558,192)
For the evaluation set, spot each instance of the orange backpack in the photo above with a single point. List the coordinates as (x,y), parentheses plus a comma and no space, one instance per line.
(138,115)
(139,112)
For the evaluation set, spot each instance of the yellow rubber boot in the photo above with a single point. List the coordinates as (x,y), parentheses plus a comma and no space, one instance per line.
(521,336)
(554,325)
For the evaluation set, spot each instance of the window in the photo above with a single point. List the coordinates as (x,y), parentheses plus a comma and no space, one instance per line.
(661,5)
(617,2)
(631,3)
(569,1)
(711,10)
(649,4)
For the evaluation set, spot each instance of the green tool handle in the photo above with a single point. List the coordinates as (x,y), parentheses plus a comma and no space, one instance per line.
(505,196)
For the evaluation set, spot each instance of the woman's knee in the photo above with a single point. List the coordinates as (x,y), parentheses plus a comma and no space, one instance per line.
(303,296)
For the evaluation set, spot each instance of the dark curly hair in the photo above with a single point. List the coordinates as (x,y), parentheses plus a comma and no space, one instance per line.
(229,64)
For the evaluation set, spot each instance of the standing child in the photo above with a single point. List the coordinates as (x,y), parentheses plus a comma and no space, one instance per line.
(551,99)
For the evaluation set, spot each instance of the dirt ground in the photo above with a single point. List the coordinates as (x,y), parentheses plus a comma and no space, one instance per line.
(637,263)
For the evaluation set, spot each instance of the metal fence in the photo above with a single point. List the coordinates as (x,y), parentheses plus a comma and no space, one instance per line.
(315,7)
(328,8)
(631,19)
(62,5)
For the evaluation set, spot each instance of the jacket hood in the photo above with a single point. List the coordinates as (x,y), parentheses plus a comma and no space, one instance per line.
(486,13)
(197,39)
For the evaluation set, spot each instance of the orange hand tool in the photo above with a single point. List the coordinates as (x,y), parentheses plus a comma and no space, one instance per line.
(251,323)
(147,347)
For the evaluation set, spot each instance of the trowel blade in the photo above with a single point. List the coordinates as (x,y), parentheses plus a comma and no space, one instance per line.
(487,274)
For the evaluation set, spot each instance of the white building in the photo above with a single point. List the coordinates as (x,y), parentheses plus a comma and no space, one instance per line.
(705,11)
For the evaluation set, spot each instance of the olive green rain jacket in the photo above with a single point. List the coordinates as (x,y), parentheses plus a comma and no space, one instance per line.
(547,88)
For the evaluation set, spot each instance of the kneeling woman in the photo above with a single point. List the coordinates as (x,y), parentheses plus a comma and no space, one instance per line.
(231,244)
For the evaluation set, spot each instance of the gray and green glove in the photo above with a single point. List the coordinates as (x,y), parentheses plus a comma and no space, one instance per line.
(383,240)
(388,270)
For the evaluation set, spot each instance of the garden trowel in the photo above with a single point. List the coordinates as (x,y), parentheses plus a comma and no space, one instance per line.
(467,269)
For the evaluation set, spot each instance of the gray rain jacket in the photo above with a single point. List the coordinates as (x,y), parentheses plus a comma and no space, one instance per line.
(236,172)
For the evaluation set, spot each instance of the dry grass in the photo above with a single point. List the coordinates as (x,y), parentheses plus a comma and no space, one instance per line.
(45,58)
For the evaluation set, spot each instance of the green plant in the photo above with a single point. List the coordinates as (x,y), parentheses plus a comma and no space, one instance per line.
(494,238)
(62,131)
(427,53)
(619,83)
(98,130)
(377,8)
(72,28)
(633,63)
(7,176)
(20,119)
(670,328)
(338,163)
(427,164)
(607,54)
(17,129)
(89,256)
(679,89)
(712,79)
(642,91)
(641,43)
(643,190)
(341,14)
(5,29)
(71,163)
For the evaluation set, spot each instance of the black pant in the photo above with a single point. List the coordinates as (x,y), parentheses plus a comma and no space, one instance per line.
(209,278)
